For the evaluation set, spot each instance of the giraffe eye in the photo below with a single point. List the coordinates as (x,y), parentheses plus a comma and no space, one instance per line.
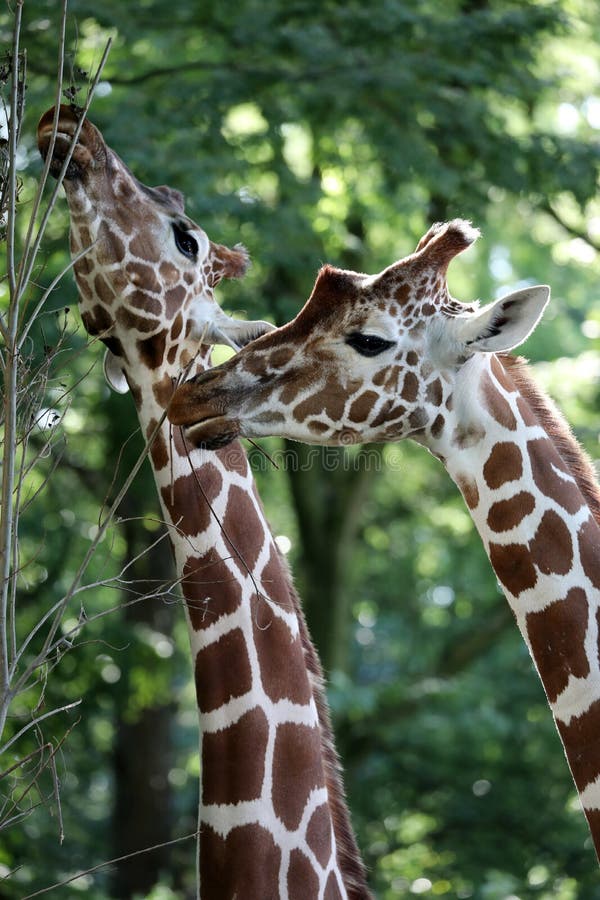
(368,344)
(186,243)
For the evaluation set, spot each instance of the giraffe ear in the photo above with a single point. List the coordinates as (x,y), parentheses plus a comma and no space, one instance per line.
(114,374)
(236,333)
(213,326)
(504,324)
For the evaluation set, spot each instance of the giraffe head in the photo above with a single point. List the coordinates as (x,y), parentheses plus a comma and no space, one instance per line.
(368,358)
(146,282)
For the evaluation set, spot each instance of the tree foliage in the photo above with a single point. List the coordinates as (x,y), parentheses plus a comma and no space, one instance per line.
(332,131)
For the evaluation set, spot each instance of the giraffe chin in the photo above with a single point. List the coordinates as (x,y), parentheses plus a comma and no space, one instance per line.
(212,434)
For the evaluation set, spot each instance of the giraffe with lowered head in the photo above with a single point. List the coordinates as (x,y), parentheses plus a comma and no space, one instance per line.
(273,821)
(392,356)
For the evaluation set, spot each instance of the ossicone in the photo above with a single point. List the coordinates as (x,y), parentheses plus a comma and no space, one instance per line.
(228,262)
(444,241)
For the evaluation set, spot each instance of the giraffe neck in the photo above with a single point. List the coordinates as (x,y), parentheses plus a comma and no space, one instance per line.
(532,495)
(272,820)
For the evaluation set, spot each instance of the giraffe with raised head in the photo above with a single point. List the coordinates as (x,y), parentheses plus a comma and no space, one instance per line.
(392,356)
(273,821)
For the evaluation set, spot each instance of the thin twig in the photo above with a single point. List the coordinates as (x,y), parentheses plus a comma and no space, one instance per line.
(102,528)
(35,722)
(38,308)
(112,862)
(10,387)
(28,260)
(48,162)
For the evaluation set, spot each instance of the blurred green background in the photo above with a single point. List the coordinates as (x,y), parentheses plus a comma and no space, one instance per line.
(319,132)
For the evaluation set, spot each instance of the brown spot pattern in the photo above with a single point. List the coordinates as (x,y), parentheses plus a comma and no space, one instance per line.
(332,891)
(497,405)
(276,581)
(303,881)
(544,460)
(241,529)
(512,564)
(130,320)
(552,547)
(152,350)
(233,458)
(189,513)
(402,292)
(103,290)
(580,738)
(281,658)
(209,588)
(588,538)
(144,248)
(506,514)
(388,413)
(229,865)
(418,418)
(330,400)
(163,390)
(173,301)
(176,327)
(410,388)
(97,320)
(318,834)
(469,490)
(437,426)
(362,406)
(557,635)
(142,300)
(505,463)
(168,272)
(223,672)
(434,393)
(158,451)
(296,749)
(280,357)
(527,414)
(144,277)
(294,383)
(110,247)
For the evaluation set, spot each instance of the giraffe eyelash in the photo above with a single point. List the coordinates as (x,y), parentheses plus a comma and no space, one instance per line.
(368,344)
(186,243)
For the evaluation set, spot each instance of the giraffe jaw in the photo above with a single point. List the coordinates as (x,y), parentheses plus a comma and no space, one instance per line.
(202,417)
(212,433)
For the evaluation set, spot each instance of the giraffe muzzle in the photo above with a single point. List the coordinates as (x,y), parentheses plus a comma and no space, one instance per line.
(88,152)
(198,407)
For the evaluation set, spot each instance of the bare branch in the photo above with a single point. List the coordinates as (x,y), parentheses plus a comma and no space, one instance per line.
(27,327)
(28,259)
(112,862)
(35,722)
(575,232)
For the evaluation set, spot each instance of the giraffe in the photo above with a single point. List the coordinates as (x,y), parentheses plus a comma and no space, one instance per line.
(393,356)
(272,817)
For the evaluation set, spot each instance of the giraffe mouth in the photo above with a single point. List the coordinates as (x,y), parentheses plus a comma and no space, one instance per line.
(87,153)
(211,433)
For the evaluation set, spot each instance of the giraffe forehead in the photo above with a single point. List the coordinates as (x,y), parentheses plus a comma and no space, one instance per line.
(400,305)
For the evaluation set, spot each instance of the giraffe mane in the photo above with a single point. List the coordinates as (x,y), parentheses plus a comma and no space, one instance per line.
(577,460)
